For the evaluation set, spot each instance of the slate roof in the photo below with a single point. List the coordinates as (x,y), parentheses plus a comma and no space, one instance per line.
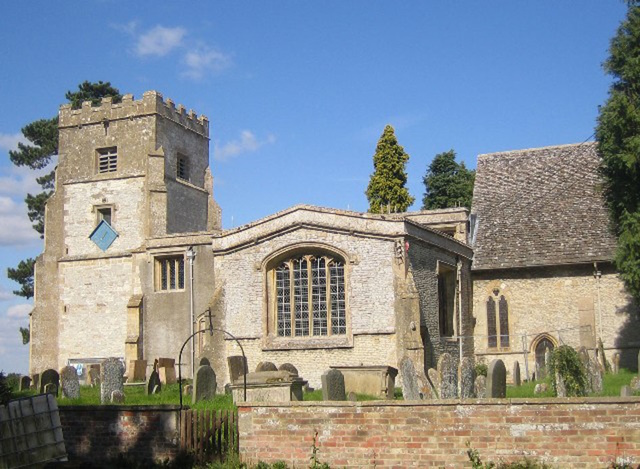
(541,206)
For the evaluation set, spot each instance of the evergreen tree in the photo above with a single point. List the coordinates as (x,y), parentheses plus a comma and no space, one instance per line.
(447,183)
(618,136)
(386,191)
(42,136)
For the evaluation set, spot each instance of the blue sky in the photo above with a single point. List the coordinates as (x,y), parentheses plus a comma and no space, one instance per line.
(298,93)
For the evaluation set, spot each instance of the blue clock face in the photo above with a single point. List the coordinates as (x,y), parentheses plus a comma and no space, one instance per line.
(104,235)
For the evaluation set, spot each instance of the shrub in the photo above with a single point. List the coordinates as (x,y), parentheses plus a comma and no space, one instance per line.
(481,369)
(5,390)
(566,363)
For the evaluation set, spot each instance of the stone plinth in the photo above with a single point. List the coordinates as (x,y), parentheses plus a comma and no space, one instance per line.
(378,381)
(278,391)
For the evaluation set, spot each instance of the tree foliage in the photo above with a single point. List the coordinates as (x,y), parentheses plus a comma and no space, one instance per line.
(25,332)
(5,390)
(618,135)
(447,183)
(386,191)
(566,363)
(42,146)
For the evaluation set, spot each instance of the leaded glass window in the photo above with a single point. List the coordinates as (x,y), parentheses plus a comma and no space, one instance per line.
(170,273)
(491,323)
(504,322)
(310,297)
(497,321)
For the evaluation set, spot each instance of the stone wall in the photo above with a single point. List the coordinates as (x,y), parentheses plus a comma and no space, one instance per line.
(563,302)
(142,433)
(565,433)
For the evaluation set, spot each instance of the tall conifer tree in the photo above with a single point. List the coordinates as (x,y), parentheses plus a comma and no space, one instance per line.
(386,191)
(618,136)
(447,183)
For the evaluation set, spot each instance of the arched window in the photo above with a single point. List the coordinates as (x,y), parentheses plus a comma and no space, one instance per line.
(497,324)
(310,297)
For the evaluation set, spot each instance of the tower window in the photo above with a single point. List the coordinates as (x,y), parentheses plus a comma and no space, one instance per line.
(182,169)
(104,213)
(170,273)
(107,160)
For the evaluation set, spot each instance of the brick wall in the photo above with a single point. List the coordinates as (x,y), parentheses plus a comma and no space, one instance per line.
(104,432)
(577,432)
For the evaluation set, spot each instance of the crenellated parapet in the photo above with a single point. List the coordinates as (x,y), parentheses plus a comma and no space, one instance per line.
(151,103)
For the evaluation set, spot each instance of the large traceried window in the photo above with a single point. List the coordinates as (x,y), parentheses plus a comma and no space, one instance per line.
(310,297)
(497,321)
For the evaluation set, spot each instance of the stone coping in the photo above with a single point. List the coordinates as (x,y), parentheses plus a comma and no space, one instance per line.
(451,402)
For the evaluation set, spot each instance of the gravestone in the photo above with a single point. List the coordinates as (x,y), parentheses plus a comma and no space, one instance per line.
(410,387)
(290,368)
(626,391)
(204,384)
(167,374)
(352,397)
(497,380)
(111,373)
(51,388)
(615,363)
(166,362)
(333,386)
(635,383)
(69,383)
(137,371)
(35,381)
(467,377)
(266,366)
(432,374)
(547,362)
(204,361)
(25,383)
(595,372)
(517,381)
(50,377)
(540,388)
(447,377)
(117,396)
(480,386)
(602,358)
(153,385)
(237,367)
(93,375)
(561,389)
(188,389)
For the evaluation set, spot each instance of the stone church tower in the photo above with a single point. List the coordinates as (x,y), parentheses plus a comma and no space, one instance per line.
(127,172)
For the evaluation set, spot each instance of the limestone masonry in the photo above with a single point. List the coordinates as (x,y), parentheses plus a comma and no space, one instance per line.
(136,260)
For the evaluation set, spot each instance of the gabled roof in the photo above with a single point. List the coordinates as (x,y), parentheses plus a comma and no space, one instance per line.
(541,206)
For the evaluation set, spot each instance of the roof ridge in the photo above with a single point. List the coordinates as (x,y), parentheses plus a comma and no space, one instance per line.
(537,149)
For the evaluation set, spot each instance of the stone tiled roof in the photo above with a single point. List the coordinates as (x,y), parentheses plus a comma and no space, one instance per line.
(541,206)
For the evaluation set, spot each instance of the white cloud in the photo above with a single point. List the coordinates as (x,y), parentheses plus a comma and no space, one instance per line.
(159,41)
(10,141)
(204,59)
(246,144)
(127,28)
(19,311)
(5,294)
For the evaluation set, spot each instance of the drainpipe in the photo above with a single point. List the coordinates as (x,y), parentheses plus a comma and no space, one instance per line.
(191,254)
(597,275)
(459,269)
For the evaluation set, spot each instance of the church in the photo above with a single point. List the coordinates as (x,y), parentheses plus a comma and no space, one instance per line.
(135,261)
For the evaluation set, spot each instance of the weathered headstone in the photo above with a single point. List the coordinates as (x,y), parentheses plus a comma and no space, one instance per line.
(50,377)
(204,361)
(51,388)
(352,397)
(635,383)
(237,367)
(333,386)
(595,372)
(447,374)
(434,379)
(540,388)
(496,380)
(467,377)
(153,385)
(69,383)
(547,362)
(615,363)
(166,362)
(93,376)
(480,386)
(517,381)
(561,389)
(188,389)
(137,371)
(204,384)
(602,358)
(410,388)
(266,366)
(117,396)
(111,372)
(290,368)
(626,391)
(167,374)
(25,383)
(35,381)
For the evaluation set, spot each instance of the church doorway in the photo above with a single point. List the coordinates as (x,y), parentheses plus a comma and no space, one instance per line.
(541,347)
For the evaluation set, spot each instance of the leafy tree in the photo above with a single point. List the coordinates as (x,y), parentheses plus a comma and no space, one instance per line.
(26,335)
(618,136)
(386,191)
(42,136)
(447,183)
(5,390)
